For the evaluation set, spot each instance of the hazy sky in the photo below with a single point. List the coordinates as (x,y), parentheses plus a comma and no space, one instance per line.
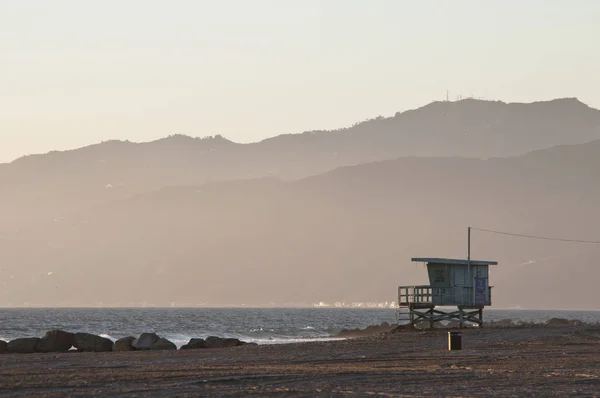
(77,72)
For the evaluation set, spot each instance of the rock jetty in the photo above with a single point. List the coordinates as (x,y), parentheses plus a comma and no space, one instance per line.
(61,341)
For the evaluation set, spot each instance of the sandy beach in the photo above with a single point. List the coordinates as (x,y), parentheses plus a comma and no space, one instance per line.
(543,361)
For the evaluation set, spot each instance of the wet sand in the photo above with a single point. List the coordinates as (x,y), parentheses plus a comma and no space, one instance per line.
(494,362)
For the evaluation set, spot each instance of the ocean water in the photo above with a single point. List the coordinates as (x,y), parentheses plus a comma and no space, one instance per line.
(260,325)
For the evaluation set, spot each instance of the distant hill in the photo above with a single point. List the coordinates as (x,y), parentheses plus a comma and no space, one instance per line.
(347,234)
(55,184)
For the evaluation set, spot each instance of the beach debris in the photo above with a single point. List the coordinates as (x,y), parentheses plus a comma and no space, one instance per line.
(86,342)
(56,341)
(587,376)
(26,345)
(145,341)
(124,344)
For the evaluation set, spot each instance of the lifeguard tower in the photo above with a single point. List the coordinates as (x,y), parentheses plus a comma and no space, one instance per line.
(463,284)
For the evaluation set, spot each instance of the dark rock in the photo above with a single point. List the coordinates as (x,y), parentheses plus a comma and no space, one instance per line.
(3,347)
(23,346)
(124,344)
(372,330)
(217,342)
(232,343)
(213,342)
(145,341)
(163,344)
(563,322)
(86,342)
(194,344)
(56,341)
(402,328)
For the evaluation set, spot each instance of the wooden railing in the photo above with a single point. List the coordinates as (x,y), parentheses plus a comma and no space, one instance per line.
(415,294)
(427,295)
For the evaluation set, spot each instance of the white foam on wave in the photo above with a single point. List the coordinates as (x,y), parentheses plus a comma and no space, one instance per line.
(180,340)
(261,330)
(292,340)
(108,336)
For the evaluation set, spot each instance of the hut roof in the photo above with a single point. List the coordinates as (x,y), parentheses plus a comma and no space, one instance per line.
(451,261)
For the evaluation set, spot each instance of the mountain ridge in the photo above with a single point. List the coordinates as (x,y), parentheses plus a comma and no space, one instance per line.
(59,182)
(312,217)
(570,102)
(344,235)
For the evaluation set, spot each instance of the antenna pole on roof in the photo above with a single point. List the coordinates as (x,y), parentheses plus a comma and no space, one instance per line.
(469,253)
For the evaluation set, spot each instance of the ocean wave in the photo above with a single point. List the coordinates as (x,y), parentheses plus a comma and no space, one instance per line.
(180,340)
(257,330)
(261,326)
(108,336)
(552,322)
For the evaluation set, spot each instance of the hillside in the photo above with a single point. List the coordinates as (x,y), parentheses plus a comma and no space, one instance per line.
(347,234)
(44,187)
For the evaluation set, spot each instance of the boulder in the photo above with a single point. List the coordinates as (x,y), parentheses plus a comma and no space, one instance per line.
(145,341)
(232,343)
(56,341)
(3,347)
(217,342)
(86,342)
(124,344)
(194,344)
(163,344)
(213,342)
(23,346)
